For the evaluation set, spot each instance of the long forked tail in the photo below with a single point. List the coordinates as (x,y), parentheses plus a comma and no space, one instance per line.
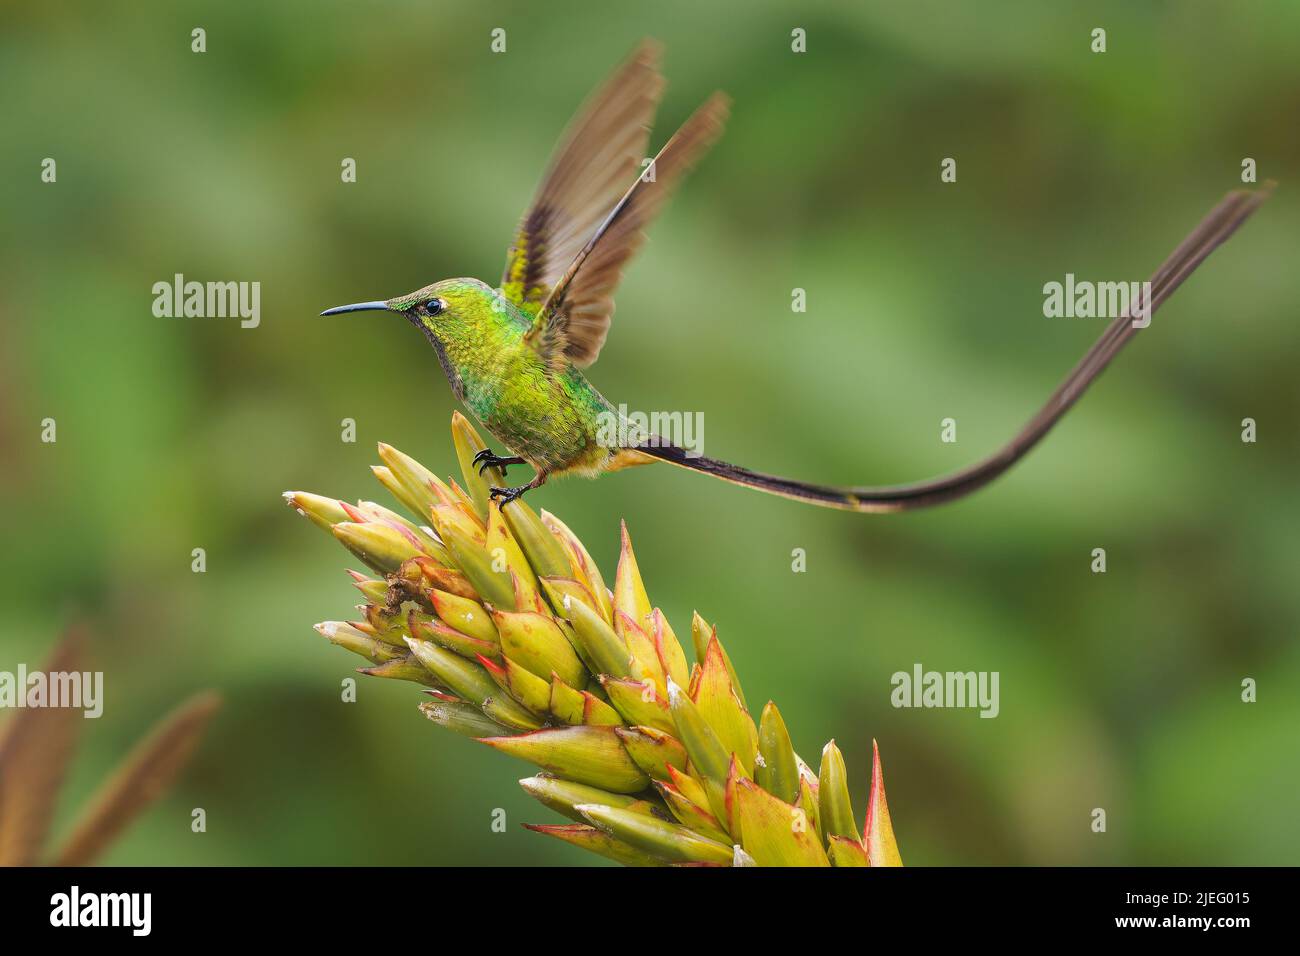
(1214,229)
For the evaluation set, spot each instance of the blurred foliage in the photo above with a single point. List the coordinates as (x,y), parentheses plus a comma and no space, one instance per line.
(1118,691)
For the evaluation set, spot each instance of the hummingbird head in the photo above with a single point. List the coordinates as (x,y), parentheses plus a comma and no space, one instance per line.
(443,311)
(457,316)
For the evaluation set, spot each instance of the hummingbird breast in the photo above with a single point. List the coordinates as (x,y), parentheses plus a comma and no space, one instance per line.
(551,418)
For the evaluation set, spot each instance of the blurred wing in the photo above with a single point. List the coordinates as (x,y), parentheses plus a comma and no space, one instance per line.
(34,751)
(574,320)
(599,154)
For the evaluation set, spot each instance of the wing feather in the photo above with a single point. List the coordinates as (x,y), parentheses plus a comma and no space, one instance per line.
(598,155)
(574,320)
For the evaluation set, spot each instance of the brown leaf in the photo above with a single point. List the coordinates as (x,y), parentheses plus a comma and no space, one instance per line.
(35,747)
(142,778)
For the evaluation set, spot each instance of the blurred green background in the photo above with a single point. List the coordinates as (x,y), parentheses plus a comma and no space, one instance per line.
(1118,691)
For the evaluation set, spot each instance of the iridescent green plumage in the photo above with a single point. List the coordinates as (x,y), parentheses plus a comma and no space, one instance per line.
(549,416)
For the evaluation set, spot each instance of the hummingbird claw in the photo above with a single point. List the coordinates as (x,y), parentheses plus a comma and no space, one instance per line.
(507,495)
(488,459)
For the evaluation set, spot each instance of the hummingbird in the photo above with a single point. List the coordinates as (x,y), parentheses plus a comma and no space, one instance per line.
(514,353)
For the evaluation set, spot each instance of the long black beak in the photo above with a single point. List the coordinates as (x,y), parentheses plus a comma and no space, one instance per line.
(358,307)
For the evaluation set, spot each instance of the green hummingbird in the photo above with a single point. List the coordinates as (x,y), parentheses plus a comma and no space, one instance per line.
(514,353)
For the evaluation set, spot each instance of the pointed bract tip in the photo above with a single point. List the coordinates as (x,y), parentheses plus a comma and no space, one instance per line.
(648,50)
(535,784)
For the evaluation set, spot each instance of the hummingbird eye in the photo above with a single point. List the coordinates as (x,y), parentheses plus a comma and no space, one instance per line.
(435,307)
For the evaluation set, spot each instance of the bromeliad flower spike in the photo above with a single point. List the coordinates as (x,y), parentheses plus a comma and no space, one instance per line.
(503,616)
(514,354)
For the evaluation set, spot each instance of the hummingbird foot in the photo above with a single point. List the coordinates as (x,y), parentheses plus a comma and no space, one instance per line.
(487,458)
(507,495)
